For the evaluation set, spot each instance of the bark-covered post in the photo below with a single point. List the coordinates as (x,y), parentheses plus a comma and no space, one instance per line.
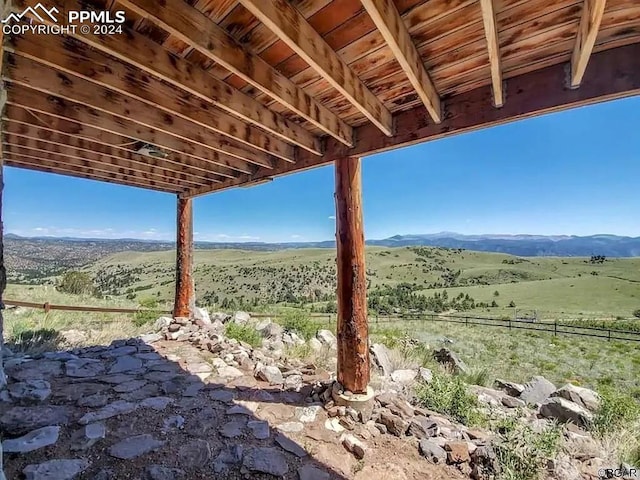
(185,293)
(352,328)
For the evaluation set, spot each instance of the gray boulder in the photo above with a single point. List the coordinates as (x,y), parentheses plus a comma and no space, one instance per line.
(537,390)
(241,318)
(380,357)
(162,322)
(201,316)
(327,338)
(582,396)
(20,420)
(56,470)
(265,460)
(565,411)
(404,376)
(271,374)
(432,451)
(450,360)
(133,447)
(34,440)
(34,389)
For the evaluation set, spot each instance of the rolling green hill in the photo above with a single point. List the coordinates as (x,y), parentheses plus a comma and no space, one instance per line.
(554,287)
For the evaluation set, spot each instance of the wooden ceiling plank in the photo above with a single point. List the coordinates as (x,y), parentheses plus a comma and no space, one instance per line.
(390,24)
(130,82)
(60,165)
(592,13)
(78,148)
(292,28)
(58,107)
(209,39)
(47,127)
(149,56)
(493,48)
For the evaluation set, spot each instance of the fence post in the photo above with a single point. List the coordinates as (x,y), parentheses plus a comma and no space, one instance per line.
(509,323)
(555,328)
(466,320)
(609,334)
(47,307)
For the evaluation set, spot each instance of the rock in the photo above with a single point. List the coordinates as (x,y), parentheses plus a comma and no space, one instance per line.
(119,407)
(315,346)
(125,363)
(270,374)
(537,390)
(564,469)
(450,360)
(94,401)
(265,460)
(311,472)
(201,316)
(432,451)
(129,386)
(232,429)
(353,445)
(156,403)
(457,452)
(582,396)
(19,420)
(84,367)
(333,424)
(512,402)
(34,390)
(510,388)
(293,382)
(566,411)
(380,357)
(327,338)
(582,447)
(159,472)
(241,318)
(289,445)
(150,337)
(485,463)
(224,396)
(404,377)
(56,470)
(396,403)
(272,331)
(262,324)
(395,424)
(133,447)
(33,440)
(425,374)
(88,436)
(290,427)
(422,427)
(259,429)
(195,453)
(173,422)
(162,322)
(230,372)
(198,367)
(307,414)
(117,351)
(31,370)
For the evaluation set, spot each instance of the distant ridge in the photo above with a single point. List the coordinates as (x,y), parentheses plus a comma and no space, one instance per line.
(520,245)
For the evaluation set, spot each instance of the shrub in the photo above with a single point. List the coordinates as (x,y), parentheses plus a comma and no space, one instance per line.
(636,313)
(616,411)
(243,333)
(480,376)
(77,283)
(142,318)
(300,323)
(448,395)
(522,452)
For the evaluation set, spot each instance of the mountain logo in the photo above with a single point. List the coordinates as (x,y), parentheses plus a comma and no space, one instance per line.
(45,15)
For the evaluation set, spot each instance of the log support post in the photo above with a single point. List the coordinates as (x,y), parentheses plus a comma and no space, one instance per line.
(352,328)
(185,292)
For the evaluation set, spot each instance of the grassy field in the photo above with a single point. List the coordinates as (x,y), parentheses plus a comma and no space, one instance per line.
(557,288)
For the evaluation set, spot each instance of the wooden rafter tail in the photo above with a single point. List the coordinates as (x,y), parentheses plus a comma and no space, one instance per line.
(292,28)
(392,28)
(148,56)
(38,102)
(493,48)
(28,73)
(63,139)
(199,31)
(590,20)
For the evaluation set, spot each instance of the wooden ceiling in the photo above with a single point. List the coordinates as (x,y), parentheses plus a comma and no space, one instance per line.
(235,92)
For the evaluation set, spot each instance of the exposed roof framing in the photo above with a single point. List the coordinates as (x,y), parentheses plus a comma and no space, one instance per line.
(199,96)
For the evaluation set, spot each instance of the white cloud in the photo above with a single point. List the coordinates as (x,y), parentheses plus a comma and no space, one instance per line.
(107,233)
(332,217)
(296,237)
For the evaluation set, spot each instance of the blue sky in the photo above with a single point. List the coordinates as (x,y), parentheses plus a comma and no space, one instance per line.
(575,172)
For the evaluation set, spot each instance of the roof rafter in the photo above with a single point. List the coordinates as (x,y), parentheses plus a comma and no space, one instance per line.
(196,29)
(493,48)
(149,56)
(294,29)
(38,102)
(592,13)
(392,28)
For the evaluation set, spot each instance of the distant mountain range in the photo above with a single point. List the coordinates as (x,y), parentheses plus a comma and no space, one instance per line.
(521,245)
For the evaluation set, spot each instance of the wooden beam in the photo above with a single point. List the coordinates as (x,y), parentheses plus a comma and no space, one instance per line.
(58,107)
(48,126)
(543,91)
(388,21)
(196,29)
(49,164)
(146,166)
(353,331)
(36,133)
(293,29)
(493,47)
(5,9)
(592,12)
(28,73)
(185,292)
(152,58)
